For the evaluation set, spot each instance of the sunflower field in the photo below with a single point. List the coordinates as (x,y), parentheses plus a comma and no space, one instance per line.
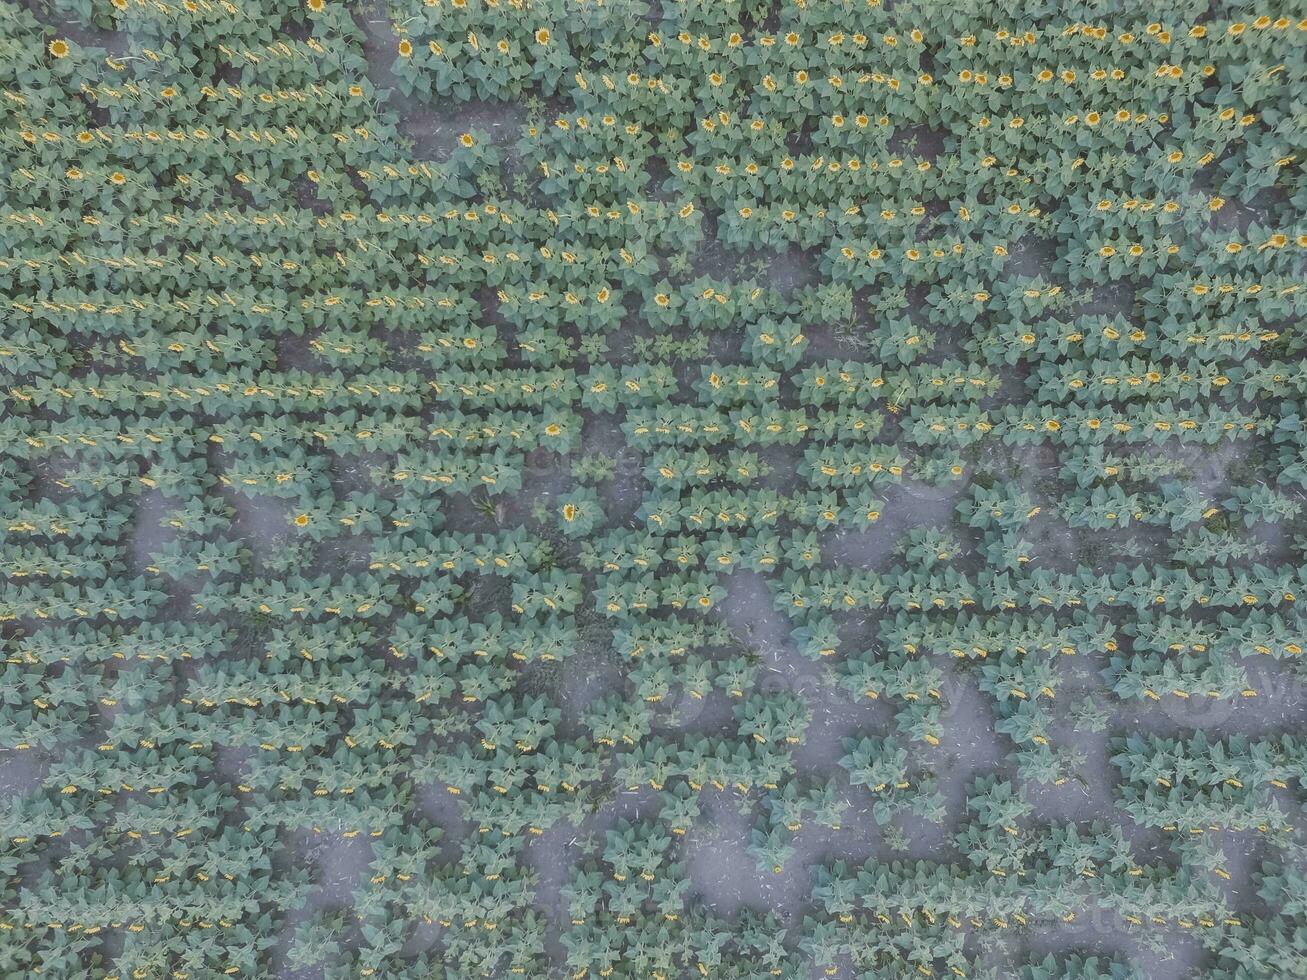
(653,489)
